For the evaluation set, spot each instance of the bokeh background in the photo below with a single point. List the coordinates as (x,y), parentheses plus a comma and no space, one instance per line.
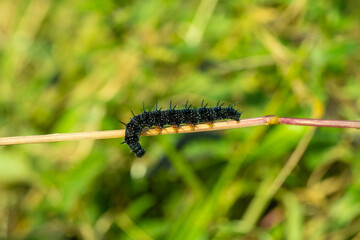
(77,65)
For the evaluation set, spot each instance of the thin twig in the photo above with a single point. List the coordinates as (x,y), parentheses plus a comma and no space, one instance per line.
(249,122)
(320,122)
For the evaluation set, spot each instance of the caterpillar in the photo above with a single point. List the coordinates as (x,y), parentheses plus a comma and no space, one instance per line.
(173,117)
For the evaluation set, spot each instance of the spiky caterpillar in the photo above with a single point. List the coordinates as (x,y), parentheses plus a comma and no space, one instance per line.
(173,117)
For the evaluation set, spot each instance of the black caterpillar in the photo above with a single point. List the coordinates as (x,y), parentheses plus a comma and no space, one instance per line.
(173,117)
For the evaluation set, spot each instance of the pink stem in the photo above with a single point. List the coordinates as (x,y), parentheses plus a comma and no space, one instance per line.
(320,122)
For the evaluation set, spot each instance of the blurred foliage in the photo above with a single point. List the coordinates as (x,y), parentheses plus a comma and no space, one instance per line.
(71,66)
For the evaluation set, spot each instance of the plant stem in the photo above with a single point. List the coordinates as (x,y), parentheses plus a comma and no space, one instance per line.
(320,122)
(249,122)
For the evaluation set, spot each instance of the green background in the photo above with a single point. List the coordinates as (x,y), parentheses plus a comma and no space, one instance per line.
(77,65)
